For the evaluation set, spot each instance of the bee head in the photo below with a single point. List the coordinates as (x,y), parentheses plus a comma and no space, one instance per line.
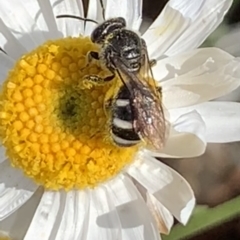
(103,30)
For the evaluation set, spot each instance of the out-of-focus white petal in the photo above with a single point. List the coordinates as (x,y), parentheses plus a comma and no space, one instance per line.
(4,235)
(208,15)
(186,137)
(229,41)
(69,26)
(130,10)
(233,96)
(222,120)
(2,154)
(166,185)
(135,224)
(21,24)
(202,84)
(164,31)
(15,189)
(6,63)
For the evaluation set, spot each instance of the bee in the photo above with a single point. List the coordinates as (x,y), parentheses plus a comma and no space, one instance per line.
(136,111)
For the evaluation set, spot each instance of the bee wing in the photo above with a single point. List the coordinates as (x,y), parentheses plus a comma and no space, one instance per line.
(150,122)
(149,80)
(146,71)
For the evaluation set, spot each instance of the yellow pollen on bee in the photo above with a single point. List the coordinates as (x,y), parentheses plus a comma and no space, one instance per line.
(54,130)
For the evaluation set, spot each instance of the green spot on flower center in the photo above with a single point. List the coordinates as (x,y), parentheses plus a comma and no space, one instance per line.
(54,130)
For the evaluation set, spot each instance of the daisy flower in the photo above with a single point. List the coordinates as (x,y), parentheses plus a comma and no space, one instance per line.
(52,130)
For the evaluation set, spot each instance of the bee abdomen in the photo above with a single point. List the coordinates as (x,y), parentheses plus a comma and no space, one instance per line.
(123,133)
(124,137)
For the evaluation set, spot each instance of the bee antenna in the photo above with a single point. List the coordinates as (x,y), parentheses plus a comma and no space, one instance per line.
(76,17)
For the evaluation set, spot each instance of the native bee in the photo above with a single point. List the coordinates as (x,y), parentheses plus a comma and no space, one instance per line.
(136,109)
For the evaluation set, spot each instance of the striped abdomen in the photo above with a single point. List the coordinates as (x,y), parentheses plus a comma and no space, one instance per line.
(122,130)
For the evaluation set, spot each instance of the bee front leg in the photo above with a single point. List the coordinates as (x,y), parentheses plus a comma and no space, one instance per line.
(94,80)
(93,55)
(89,81)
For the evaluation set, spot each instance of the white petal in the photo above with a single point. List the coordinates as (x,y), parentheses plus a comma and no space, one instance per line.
(9,43)
(18,222)
(130,10)
(208,15)
(75,215)
(166,185)
(221,119)
(45,216)
(190,62)
(103,221)
(69,26)
(62,215)
(94,13)
(15,189)
(205,83)
(190,8)
(164,31)
(163,217)
(186,138)
(42,13)
(6,63)
(92,217)
(135,218)
(21,24)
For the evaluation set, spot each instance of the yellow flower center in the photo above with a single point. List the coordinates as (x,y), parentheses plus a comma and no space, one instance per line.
(56,131)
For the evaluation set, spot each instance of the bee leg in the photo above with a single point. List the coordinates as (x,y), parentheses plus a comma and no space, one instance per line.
(94,80)
(152,62)
(93,55)
(159,90)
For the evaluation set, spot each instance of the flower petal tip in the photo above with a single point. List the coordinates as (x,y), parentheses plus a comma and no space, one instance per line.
(187,211)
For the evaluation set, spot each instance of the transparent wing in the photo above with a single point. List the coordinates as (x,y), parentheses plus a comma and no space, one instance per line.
(147,109)
(146,72)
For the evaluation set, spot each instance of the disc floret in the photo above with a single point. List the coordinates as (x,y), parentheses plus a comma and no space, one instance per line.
(53,129)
